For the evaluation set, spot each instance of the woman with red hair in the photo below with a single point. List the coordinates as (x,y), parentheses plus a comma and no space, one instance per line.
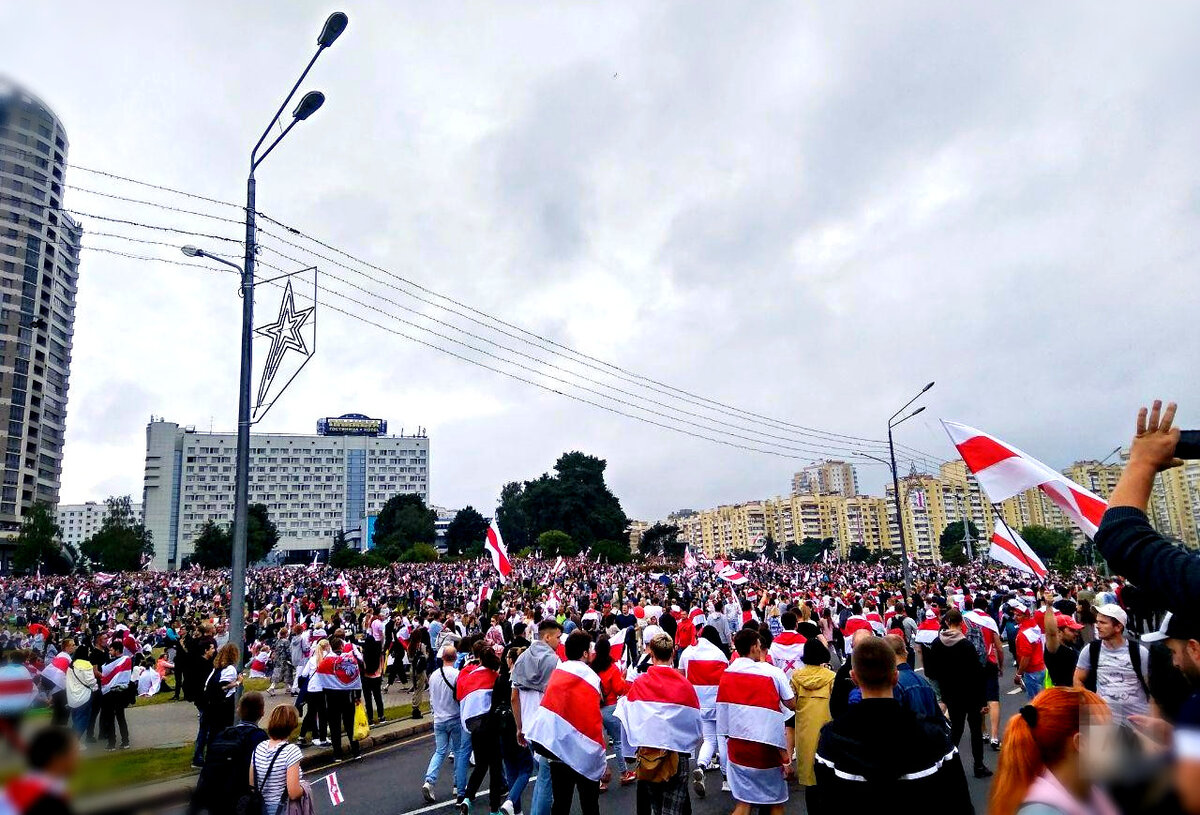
(1041,771)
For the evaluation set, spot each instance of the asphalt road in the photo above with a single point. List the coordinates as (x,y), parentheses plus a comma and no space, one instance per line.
(388,782)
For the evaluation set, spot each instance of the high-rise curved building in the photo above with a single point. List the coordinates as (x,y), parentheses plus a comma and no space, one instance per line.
(39,264)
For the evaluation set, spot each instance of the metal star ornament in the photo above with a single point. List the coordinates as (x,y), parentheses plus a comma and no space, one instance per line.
(285,336)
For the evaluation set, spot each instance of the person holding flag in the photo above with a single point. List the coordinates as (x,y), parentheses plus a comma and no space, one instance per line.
(54,678)
(661,717)
(338,675)
(751,698)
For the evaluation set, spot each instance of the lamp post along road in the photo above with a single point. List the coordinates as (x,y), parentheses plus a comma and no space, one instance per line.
(892,423)
(309,104)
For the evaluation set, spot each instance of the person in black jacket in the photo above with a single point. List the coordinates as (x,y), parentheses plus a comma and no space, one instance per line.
(224,778)
(955,664)
(878,752)
(1129,544)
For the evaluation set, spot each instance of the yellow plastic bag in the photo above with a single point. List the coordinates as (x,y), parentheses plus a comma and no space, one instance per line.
(361,728)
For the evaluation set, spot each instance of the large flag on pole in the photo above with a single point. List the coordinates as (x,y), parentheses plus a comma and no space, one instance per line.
(1004,471)
(689,560)
(495,547)
(1010,549)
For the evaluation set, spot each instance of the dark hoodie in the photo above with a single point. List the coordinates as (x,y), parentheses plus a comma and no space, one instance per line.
(954,663)
(879,752)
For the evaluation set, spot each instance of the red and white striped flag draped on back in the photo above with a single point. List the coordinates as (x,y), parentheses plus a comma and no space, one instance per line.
(339,672)
(568,724)
(495,547)
(786,651)
(750,715)
(704,664)
(927,631)
(1011,549)
(55,671)
(474,693)
(116,674)
(1004,471)
(661,710)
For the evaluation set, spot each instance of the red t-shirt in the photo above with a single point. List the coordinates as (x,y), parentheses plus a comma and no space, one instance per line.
(1030,644)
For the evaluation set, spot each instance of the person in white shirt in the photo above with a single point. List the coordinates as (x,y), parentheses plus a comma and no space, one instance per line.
(448,733)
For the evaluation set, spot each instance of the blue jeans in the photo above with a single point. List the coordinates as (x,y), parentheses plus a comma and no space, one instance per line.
(80,716)
(1033,683)
(462,760)
(543,790)
(612,729)
(517,769)
(447,736)
(201,740)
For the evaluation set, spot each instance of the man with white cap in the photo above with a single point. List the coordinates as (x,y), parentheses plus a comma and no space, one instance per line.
(1115,667)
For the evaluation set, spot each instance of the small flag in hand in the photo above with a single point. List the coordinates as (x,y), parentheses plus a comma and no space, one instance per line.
(335,789)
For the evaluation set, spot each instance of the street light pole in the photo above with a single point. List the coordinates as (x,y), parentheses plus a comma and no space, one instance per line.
(892,423)
(333,28)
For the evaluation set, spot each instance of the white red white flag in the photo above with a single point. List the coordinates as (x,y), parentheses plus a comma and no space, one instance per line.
(927,631)
(116,674)
(485,594)
(786,650)
(1004,471)
(1011,549)
(339,672)
(730,574)
(104,578)
(335,789)
(474,692)
(495,547)
(689,560)
(661,710)
(568,723)
(704,664)
(55,671)
(749,714)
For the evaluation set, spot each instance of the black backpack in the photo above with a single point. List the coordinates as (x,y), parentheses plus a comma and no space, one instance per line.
(1135,659)
(224,778)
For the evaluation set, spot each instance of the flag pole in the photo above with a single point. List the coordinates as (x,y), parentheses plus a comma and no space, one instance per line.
(1013,537)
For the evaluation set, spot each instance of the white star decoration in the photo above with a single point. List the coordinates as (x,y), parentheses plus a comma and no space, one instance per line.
(285,336)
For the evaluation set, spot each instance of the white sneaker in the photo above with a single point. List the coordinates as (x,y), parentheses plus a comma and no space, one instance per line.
(725,785)
(427,791)
(507,808)
(450,755)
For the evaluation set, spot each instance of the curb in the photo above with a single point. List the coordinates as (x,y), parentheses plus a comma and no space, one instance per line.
(176,791)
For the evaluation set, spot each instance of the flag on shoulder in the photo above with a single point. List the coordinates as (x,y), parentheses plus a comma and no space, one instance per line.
(704,664)
(749,714)
(55,671)
(339,672)
(786,651)
(568,723)
(474,693)
(928,630)
(661,710)
(116,675)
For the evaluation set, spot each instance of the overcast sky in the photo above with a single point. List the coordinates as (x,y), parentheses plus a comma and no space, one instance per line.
(807,210)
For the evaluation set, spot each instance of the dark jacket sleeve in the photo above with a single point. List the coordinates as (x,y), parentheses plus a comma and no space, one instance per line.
(1133,549)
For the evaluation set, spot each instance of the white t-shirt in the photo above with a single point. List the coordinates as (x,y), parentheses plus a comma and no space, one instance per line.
(1116,682)
(442,694)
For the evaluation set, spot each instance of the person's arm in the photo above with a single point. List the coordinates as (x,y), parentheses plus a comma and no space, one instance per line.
(1082,667)
(1050,626)
(294,790)
(516,710)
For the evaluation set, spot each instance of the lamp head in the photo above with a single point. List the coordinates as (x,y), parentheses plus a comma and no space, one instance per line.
(915,412)
(191,251)
(332,29)
(927,387)
(309,105)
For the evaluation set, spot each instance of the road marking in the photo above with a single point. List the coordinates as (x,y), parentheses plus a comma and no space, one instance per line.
(1015,691)
(450,801)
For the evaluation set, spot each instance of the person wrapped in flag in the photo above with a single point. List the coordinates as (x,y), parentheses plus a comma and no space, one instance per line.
(568,729)
(482,721)
(751,700)
(661,718)
(115,681)
(703,664)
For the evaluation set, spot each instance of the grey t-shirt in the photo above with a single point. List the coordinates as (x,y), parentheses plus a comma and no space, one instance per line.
(1116,682)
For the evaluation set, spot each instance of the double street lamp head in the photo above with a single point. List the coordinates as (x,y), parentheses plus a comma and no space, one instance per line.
(192,251)
(332,29)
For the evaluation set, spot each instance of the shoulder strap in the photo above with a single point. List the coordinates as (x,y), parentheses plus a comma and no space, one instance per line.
(452,685)
(1135,659)
(1093,665)
(270,766)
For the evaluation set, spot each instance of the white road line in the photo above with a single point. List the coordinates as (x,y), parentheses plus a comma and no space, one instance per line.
(1015,691)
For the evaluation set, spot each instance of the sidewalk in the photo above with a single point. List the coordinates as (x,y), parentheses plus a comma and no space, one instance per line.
(154,797)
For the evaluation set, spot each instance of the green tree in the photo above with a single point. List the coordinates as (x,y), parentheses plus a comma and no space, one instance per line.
(611,551)
(859,554)
(510,516)
(37,544)
(575,500)
(662,538)
(810,550)
(341,556)
(420,553)
(770,549)
(554,542)
(793,552)
(1048,543)
(951,542)
(213,548)
(467,532)
(122,540)
(404,522)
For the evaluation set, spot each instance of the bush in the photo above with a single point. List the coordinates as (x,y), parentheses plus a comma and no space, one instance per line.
(420,553)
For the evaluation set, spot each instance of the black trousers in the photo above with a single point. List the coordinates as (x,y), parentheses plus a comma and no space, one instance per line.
(112,710)
(315,718)
(973,718)
(94,715)
(340,706)
(60,715)
(564,781)
(485,744)
(372,691)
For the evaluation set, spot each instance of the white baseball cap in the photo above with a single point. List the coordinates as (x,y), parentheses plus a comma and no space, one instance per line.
(1114,611)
